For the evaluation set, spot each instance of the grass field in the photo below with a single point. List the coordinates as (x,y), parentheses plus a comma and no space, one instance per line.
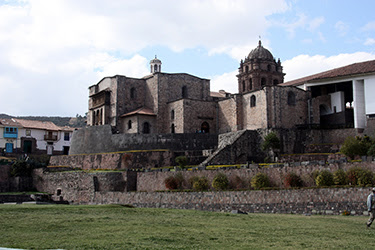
(119,227)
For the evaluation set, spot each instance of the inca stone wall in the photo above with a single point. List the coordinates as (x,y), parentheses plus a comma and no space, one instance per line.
(99,139)
(240,178)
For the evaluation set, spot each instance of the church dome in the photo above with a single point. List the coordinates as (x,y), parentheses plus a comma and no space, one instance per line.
(260,53)
(155,60)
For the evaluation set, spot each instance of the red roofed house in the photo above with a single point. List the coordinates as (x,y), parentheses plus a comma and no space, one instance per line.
(34,137)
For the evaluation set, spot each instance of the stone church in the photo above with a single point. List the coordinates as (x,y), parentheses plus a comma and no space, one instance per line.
(162,103)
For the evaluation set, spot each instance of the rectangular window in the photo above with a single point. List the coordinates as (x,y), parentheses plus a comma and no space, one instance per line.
(28,132)
(66,136)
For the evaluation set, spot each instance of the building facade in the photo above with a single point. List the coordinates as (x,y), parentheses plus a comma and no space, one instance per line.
(34,137)
(162,103)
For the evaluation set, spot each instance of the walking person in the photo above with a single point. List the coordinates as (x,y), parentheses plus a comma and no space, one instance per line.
(371,207)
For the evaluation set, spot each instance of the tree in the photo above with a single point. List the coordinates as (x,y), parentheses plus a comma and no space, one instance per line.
(271,143)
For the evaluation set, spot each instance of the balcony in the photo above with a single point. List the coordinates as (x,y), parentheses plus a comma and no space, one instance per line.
(10,133)
(50,137)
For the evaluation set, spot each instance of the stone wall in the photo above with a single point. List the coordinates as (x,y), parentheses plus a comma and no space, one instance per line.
(240,178)
(99,139)
(303,201)
(116,161)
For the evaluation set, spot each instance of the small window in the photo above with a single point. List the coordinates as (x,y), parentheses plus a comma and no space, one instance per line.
(269,67)
(252,101)
(243,86)
(129,124)
(291,98)
(263,81)
(132,93)
(146,128)
(184,92)
(251,84)
(247,69)
(172,128)
(172,114)
(66,136)
(28,132)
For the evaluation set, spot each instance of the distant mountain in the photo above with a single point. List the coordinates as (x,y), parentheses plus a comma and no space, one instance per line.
(75,122)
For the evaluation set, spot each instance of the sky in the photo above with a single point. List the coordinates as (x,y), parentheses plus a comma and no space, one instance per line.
(51,51)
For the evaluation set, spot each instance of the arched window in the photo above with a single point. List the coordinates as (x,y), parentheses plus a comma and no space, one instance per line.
(269,67)
(247,68)
(291,98)
(172,128)
(252,101)
(263,81)
(251,84)
(243,86)
(184,92)
(132,93)
(275,82)
(129,124)
(146,128)
(155,68)
(205,127)
(172,114)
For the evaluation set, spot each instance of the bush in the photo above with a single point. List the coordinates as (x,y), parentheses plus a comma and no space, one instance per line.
(354,146)
(366,178)
(339,177)
(21,168)
(174,182)
(371,150)
(201,184)
(325,178)
(353,175)
(220,182)
(182,161)
(171,183)
(293,180)
(260,180)
(271,141)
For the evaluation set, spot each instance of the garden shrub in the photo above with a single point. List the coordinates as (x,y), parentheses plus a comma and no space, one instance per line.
(353,175)
(174,182)
(220,182)
(201,184)
(171,183)
(237,183)
(293,180)
(192,180)
(371,150)
(260,180)
(325,178)
(339,177)
(354,146)
(366,178)
(182,161)
(271,141)
(21,168)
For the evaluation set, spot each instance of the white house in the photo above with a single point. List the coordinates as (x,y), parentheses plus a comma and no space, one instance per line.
(34,137)
(343,95)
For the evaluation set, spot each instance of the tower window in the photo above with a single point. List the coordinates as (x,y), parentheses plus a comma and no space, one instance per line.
(129,124)
(291,98)
(132,93)
(251,84)
(155,68)
(184,92)
(247,68)
(243,86)
(172,114)
(252,101)
(275,82)
(269,67)
(263,81)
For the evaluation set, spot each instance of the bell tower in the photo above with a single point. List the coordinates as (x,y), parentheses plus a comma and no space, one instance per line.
(155,65)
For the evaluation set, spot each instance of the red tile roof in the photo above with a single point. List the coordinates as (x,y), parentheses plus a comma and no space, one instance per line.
(140,111)
(10,122)
(349,70)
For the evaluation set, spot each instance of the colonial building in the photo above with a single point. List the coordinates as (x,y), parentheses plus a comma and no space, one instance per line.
(34,137)
(162,103)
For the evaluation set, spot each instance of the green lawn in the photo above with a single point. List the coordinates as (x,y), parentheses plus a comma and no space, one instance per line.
(119,227)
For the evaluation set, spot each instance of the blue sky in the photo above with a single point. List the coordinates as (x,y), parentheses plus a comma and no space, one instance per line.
(52,51)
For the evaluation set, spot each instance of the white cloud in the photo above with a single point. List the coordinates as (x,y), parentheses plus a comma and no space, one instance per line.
(342,28)
(226,81)
(370,26)
(369,41)
(305,65)
(53,50)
